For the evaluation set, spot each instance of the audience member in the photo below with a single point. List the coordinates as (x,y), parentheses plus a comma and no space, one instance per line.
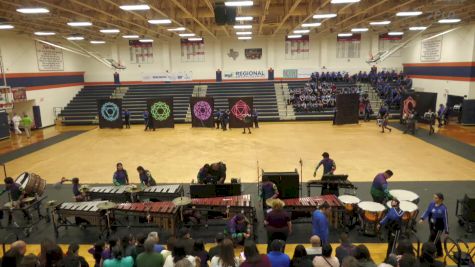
(54,256)
(320,225)
(96,253)
(277,222)
(14,256)
(185,237)
(316,248)
(72,258)
(170,245)
(408,260)
(326,259)
(179,253)
(300,258)
(117,259)
(363,256)
(128,246)
(139,247)
(31,260)
(45,245)
(154,235)
(149,258)
(200,252)
(225,257)
(277,256)
(214,251)
(428,254)
(252,257)
(345,249)
(350,261)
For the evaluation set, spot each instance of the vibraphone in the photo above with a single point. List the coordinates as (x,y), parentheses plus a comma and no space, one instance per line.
(307,205)
(87,211)
(162,214)
(111,193)
(230,206)
(346,184)
(162,192)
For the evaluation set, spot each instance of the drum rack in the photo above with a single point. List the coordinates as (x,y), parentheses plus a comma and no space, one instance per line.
(31,222)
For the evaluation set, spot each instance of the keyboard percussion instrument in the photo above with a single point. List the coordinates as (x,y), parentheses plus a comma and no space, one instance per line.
(134,193)
(305,206)
(164,215)
(162,192)
(228,206)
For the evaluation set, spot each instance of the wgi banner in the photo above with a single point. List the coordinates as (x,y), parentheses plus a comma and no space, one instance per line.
(242,75)
(167,76)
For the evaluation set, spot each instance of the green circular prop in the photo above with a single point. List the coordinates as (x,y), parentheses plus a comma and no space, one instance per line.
(160,111)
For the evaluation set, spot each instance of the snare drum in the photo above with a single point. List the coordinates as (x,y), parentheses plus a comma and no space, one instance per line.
(410,210)
(405,195)
(31,183)
(372,211)
(349,202)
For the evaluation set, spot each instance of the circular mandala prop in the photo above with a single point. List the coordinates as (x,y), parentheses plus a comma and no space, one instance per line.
(240,110)
(110,111)
(160,111)
(202,110)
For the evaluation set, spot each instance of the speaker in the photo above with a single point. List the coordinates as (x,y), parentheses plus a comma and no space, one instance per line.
(231,15)
(4,125)
(287,183)
(469,208)
(37,117)
(220,14)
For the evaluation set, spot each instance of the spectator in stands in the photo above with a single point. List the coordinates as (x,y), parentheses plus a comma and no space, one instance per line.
(277,257)
(408,260)
(178,254)
(363,256)
(277,222)
(118,259)
(54,256)
(72,258)
(214,251)
(345,249)
(300,258)
(14,256)
(326,259)
(170,245)
(30,260)
(316,247)
(128,246)
(96,253)
(200,252)
(320,226)
(184,237)
(225,256)
(150,257)
(252,256)
(139,247)
(428,254)
(350,261)
(45,245)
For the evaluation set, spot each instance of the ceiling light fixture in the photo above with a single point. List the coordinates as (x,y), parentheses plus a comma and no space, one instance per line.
(359,29)
(294,36)
(6,27)
(324,16)
(395,33)
(194,39)
(79,24)
(243,33)
(244,38)
(134,7)
(130,36)
(443,21)
(313,24)
(44,33)
(146,40)
(179,29)
(239,3)
(244,18)
(75,38)
(376,23)
(110,31)
(160,21)
(408,13)
(35,10)
(242,26)
(417,28)
(346,34)
(344,1)
(97,42)
(301,31)
(186,34)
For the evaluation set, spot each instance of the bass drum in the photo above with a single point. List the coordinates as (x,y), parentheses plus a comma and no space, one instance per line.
(31,184)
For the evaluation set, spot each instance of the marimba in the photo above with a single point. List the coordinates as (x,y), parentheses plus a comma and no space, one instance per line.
(87,211)
(327,183)
(307,205)
(162,214)
(111,193)
(230,205)
(162,192)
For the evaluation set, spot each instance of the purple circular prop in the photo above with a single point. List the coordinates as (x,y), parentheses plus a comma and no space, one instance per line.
(202,110)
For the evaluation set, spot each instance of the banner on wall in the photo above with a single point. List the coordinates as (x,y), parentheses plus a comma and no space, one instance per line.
(19,94)
(244,74)
(202,109)
(161,112)
(49,58)
(140,53)
(192,51)
(167,76)
(253,53)
(431,49)
(109,113)
(297,73)
(240,108)
(6,97)
(297,48)
(348,47)
(386,42)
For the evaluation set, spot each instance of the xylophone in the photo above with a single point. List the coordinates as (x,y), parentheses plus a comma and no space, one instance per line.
(111,193)
(86,212)
(161,214)
(307,205)
(230,205)
(162,192)
(327,183)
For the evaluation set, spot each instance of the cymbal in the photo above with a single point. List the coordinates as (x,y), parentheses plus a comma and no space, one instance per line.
(181,201)
(28,199)
(270,201)
(133,189)
(9,204)
(106,205)
(51,203)
(84,188)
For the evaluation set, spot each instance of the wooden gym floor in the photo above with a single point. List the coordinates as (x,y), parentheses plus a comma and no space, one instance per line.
(175,155)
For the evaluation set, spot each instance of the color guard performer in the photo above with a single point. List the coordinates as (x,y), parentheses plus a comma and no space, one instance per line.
(379,188)
(436,214)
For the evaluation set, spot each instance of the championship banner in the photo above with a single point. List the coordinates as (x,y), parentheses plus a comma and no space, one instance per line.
(19,94)
(386,42)
(240,108)
(192,51)
(140,53)
(243,75)
(297,48)
(348,47)
(202,109)
(110,113)
(161,112)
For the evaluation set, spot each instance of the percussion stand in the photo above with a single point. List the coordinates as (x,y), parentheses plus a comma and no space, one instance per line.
(396,240)
(301,177)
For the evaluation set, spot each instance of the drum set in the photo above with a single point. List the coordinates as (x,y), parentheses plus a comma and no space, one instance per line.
(368,214)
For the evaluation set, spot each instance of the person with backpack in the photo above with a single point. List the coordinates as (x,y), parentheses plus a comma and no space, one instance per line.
(145,177)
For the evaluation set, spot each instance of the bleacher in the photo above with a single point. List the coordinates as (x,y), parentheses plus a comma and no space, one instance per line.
(135,100)
(82,109)
(263,94)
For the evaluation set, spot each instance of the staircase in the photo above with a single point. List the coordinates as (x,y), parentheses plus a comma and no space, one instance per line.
(286,112)
(198,91)
(120,92)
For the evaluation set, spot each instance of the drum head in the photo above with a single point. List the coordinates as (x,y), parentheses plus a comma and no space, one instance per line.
(348,199)
(408,206)
(371,206)
(404,195)
(23,179)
